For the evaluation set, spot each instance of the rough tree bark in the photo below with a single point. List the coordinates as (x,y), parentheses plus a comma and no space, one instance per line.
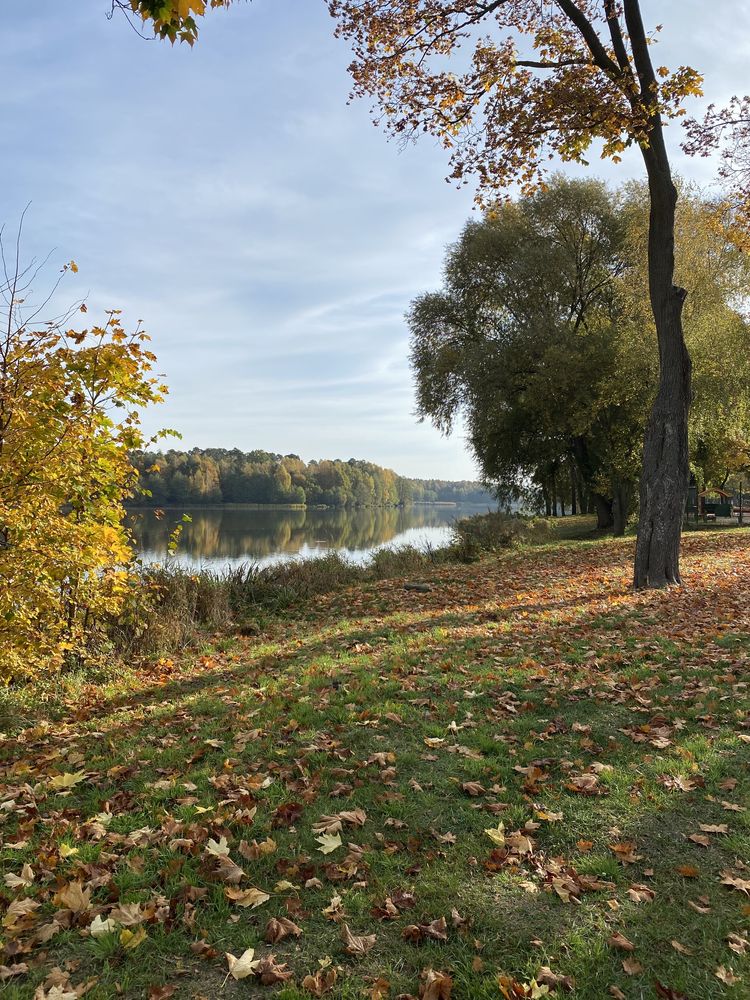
(666,469)
(603,506)
(620,507)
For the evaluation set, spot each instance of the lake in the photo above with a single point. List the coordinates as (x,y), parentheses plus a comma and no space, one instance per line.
(225,536)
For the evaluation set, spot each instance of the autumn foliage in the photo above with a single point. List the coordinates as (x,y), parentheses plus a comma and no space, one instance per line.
(69,403)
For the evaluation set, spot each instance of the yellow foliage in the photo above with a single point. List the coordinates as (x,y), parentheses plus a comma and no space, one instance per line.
(68,421)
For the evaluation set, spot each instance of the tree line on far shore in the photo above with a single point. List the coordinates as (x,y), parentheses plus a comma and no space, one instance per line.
(220,475)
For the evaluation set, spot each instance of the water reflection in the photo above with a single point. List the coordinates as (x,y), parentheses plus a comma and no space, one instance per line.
(223,536)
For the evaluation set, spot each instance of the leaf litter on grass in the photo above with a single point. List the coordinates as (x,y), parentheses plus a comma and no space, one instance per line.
(527,781)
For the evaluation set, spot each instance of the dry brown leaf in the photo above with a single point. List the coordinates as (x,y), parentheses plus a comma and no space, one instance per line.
(618,940)
(435,985)
(681,948)
(247,897)
(727,976)
(631,967)
(321,982)
(279,928)
(357,945)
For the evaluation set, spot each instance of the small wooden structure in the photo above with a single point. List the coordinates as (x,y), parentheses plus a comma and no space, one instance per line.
(713,503)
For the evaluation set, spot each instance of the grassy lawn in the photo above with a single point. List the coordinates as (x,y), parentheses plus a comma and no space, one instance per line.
(322,794)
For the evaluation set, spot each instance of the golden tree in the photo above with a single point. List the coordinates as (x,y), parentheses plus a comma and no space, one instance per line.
(69,404)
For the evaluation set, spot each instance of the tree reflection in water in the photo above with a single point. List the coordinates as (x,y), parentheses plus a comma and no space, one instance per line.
(217,536)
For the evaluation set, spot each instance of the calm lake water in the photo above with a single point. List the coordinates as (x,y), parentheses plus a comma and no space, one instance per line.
(222,536)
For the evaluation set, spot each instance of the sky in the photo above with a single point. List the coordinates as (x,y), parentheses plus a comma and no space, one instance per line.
(267,235)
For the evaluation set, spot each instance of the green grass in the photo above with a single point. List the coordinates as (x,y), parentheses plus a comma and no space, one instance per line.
(389,701)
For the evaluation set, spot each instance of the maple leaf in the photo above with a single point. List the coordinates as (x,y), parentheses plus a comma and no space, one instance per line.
(278,929)
(546,977)
(17,969)
(251,852)
(228,871)
(218,848)
(130,940)
(244,966)
(735,882)
(74,897)
(67,781)
(667,993)
(641,894)
(329,842)
(321,982)
(270,973)
(99,928)
(128,914)
(335,910)
(355,944)
(55,993)
(473,788)
(24,880)
(681,948)
(738,943)
(161,992)
(497,834)
(435,985)
(247,897)
(328,824)
(688,871)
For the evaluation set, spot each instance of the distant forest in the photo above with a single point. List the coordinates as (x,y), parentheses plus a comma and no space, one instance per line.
(218,475)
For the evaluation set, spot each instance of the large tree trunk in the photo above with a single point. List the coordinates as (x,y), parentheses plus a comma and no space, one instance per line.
(666,467)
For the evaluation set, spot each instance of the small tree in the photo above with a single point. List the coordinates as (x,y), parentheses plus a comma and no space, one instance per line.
(68,420)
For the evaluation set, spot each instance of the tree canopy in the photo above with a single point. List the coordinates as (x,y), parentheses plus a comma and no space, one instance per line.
(541,338)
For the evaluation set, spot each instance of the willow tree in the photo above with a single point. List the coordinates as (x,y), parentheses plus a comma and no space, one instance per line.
(507,85)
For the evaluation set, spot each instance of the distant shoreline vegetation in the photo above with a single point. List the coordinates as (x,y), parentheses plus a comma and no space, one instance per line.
(222,477)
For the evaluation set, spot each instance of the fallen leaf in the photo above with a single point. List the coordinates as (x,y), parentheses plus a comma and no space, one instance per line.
(355,944)
(727,976)
(64,781)
(244,966)
(329,842)
(130,940)
(321,982)
(681,948)
(99,927)
(618,940)
(278,929)
(435,985)
(247,897)
(632,967)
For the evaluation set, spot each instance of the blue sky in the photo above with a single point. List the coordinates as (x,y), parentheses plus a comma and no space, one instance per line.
(267,234)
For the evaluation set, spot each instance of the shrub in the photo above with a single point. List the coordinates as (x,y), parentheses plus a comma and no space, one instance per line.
(473,536)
